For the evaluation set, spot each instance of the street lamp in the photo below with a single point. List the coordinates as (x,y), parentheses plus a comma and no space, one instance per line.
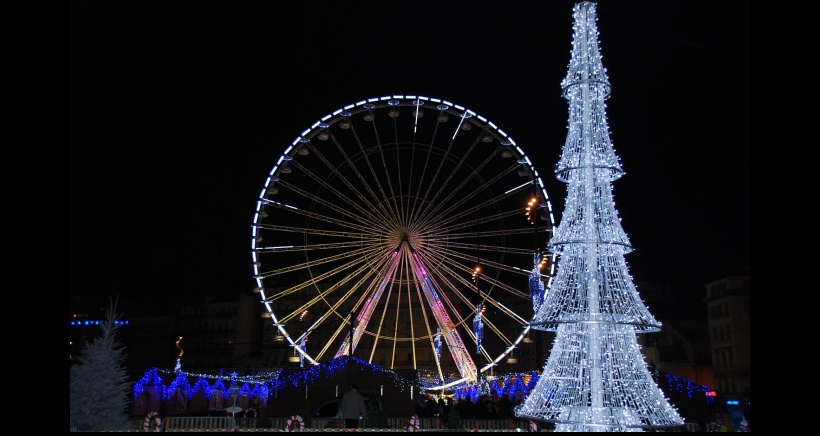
(233,409)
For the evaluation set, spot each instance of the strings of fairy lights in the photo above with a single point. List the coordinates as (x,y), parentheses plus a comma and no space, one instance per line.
(595,378)
(261,385)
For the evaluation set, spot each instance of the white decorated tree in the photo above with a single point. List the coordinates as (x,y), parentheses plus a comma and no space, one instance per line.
(596,378)
(98,383)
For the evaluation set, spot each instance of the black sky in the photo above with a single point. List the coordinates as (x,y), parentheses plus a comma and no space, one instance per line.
(178,111)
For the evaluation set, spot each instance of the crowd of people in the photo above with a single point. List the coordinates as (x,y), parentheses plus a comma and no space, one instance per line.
(485,407)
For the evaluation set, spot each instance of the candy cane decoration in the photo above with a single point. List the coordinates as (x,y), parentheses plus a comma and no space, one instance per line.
(291,420)
(413,423)
(147,424)
(533,426)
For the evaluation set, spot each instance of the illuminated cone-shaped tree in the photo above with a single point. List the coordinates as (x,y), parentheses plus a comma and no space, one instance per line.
(596,378)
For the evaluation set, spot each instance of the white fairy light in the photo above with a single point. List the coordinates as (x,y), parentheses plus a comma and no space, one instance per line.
(596,378)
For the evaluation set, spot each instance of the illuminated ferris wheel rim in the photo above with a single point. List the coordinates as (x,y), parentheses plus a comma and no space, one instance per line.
(399,100)
(318,128)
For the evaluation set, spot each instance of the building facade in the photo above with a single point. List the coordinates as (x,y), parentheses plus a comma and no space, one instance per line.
(682,346)
(729,305)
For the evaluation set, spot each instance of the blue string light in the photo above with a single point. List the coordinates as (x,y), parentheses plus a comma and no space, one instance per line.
(262,384)
(94,323)
(151,378)
(180,382)
(687,387)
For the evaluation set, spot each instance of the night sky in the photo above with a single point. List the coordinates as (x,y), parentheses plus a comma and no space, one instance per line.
(178,111)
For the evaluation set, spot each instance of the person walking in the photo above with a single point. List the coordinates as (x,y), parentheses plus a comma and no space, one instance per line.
(504,406)
(420,406)
(353,407)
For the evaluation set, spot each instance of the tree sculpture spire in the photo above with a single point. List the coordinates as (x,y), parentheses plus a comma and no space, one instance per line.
(596,378)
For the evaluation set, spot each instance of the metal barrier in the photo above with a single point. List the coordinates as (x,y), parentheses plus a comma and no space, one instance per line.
(397,423)
(430,423)
(193,423)
(494,424)
(254,423)
(188,423)
(402,423)
(466,424)
(323,423)
(202,423)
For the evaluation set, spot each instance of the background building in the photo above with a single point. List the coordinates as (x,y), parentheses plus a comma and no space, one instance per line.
(729,303)
(682,346)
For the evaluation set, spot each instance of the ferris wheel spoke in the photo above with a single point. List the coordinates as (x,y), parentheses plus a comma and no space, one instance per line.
(442,153)
(324,201)
(509,291)
(472,210)
(489,323)
(450,235)
(496,284)
(448,255)
(374,205)
(427,156)
(314,231)
(512,314)
(521,322)
(463,360)
(464,197)
(368,301)
(316,216)
(492,248)
(393,335)
(391,285)
(365,154)
(339,333)
(452,174)
(378,199)
(446,227)
(419,292)
(314,247)
(459,316)
(355,251)
(389,201)
(357,260)
(387,172)
(332,310)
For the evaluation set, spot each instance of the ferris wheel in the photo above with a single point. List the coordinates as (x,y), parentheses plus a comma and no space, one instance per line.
(405,230)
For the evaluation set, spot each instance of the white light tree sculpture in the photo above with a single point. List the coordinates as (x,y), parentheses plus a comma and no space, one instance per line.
(596,378)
